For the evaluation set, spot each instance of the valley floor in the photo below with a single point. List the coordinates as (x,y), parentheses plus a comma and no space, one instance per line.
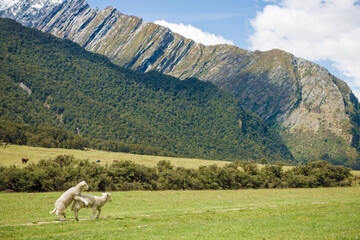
(322,213)
(13,154)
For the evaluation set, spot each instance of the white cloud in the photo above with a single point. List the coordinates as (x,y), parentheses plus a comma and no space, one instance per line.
(317,30)
(194,33)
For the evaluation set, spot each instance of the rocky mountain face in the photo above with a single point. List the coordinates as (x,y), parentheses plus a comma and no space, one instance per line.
(312,110)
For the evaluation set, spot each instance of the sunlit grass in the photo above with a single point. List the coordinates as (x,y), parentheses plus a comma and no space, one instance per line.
(323,213)
(13,154)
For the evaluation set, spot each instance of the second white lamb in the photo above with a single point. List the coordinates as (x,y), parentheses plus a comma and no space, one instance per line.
(95,203)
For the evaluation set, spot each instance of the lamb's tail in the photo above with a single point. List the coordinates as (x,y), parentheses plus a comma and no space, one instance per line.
(53,211)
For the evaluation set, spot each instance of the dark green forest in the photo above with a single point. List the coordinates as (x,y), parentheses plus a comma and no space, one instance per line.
(48,83)
(65,171)
(25,134)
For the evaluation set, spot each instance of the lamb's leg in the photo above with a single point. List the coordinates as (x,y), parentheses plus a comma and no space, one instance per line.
(78,198)
(93,213)
(73,206)
(76,212)
(99,211)
(60,215)
(60,211)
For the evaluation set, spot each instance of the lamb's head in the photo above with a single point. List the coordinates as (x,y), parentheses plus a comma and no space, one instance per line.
(83,186)
(107,196)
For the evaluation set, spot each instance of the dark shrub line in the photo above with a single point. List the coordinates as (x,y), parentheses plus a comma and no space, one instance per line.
(66,171)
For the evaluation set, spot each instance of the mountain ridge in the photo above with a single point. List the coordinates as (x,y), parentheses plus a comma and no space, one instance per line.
(312,109)
(84,93)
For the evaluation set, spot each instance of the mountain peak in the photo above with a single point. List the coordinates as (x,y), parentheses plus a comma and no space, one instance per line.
(34,4)
(315,112)
(25,11)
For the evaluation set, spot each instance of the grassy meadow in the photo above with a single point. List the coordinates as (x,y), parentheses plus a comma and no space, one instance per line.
(319,213)
(13,154)
(322,213)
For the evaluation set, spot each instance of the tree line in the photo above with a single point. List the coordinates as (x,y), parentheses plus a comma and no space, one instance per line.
(65,171)
(48,137)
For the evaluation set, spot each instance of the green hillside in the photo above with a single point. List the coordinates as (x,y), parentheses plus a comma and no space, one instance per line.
(49,82)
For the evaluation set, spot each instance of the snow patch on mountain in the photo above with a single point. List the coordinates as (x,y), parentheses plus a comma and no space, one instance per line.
(4,4)
(24,11)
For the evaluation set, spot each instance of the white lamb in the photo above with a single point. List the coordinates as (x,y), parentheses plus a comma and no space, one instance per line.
(67,197)
(95,203)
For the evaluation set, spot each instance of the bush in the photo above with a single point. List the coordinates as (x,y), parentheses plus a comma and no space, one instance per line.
(65,171)
(318,174)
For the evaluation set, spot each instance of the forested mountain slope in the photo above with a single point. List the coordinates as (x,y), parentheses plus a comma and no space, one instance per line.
(316,114)
(47,81)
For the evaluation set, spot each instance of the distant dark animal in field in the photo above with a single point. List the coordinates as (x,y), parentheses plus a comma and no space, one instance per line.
(4,144)
(24,160)
(97,160)
(114,160)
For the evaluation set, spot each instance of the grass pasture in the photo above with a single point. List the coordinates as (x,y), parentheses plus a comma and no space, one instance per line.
(323,213)
(13,154)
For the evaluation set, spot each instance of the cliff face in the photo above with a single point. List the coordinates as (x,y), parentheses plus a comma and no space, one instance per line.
(309,106)
(319,125)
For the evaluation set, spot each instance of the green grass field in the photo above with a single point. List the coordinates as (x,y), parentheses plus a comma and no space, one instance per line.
(323,213)
(13,154)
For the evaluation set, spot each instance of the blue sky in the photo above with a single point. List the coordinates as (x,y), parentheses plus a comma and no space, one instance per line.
(324,31)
